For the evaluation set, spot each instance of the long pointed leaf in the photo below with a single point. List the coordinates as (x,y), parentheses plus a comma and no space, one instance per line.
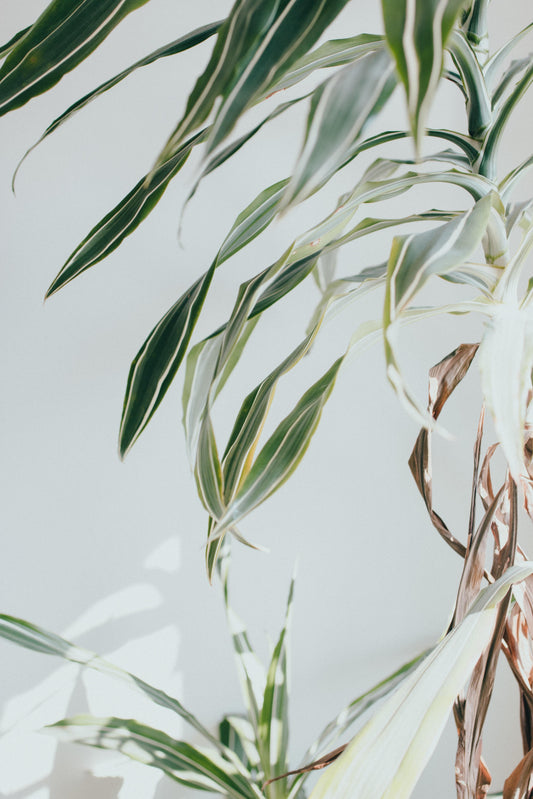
(417,32)
(125,217)
(385,760)
(64,34)
(158,360)
(177,759)
(340,110)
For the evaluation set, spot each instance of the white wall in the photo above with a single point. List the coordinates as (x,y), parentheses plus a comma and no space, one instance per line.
(110,553)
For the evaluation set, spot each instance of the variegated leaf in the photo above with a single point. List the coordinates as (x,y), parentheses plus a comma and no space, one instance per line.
(334,53)
(273,734)
(281,454)
(478,102)
(417,32)
(255,47)
(340,109)
(8,46)
(158,360)
(173,48)
(125,217)
(386,758)
(58,41)
(204,770)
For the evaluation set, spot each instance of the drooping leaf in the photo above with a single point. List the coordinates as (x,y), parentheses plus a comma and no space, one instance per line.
(173,48)
(205,770)
(125,217)
(340,110)
(417,32)
(254,48)
(64,34)
(158,360)
(478,103)
(386,758)
(487,159)
(413,260)
(334,53)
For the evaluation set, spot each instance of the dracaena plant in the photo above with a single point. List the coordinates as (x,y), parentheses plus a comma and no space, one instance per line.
(482,247)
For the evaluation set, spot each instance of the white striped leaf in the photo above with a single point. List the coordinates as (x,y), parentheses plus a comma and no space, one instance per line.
(413,260)
(506,361)
(205,770)
(281,454)
(417,31)
(494,64)
(237,734)
(173,48)
(386,758)
(64,34)
(487,159)
(340,109)
(125,217)
(255,47)
(273,737)
(334,53)
(158,360)
(295,27)
(208,471)
(478,102)
(8,46)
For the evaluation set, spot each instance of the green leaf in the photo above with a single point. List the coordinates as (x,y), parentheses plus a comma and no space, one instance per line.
(65,33)
(487,159)
(237,734)
(205,770)
(158,360)
(386,758)
(8,46)
(125,217)
(413,260)
(208,471)
(173,48)
(417,32)
(478,103)
(334,53)
(274,719)
(340,109)
(255,47)
(282,452)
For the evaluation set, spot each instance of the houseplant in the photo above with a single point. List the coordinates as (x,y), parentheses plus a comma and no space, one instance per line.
(449,250)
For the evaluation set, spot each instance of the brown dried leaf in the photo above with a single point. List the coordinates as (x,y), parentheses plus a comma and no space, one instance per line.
(519,783)
(321,762)
(444,377)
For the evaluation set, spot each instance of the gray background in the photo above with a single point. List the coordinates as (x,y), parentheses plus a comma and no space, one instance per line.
(110,554)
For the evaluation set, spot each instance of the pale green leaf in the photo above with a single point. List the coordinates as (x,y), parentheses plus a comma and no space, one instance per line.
(340,109)
(204,770)
(413,260)
(506,361)
(386,758)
